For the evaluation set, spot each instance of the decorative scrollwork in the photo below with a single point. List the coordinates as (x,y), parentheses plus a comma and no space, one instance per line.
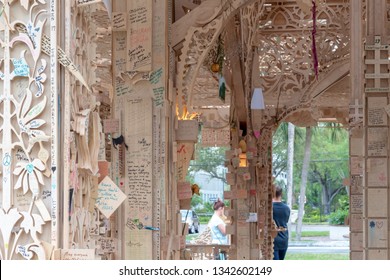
(284,48)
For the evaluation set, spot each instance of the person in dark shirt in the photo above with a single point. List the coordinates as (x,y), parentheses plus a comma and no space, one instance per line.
(281,215)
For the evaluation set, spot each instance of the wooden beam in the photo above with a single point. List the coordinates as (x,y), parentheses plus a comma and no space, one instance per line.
(200,16)
(234,76)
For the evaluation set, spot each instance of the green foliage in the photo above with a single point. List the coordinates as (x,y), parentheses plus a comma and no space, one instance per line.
(316,256)
(196,201)
(328,166)
(207,159)
(313,215)
(343,202)
(338,217)
(324,233)
(204,219)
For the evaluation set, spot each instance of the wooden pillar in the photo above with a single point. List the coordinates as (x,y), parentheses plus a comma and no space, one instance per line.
(376,135)
(140,65)
(356,132)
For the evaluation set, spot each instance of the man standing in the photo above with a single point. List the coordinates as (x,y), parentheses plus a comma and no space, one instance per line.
(281,215)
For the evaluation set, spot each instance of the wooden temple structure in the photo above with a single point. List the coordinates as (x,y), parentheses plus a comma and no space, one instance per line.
(102,102)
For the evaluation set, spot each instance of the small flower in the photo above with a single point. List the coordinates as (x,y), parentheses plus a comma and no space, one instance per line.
(30,175)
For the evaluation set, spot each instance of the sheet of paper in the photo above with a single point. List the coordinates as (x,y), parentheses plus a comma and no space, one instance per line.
(377,141)
(376,113)
(110,197)
(377,172)
(377,200)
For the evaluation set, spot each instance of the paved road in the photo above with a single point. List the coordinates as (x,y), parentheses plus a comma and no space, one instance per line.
(318,249)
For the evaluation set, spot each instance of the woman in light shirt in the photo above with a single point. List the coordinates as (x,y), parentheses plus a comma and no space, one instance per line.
(217,225)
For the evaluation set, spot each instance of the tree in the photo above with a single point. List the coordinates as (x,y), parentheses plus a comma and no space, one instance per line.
(290,163)
(208,159)
(305,171)
(328,169)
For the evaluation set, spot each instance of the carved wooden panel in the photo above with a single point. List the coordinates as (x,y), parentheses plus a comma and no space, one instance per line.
(88,43)
(26,132)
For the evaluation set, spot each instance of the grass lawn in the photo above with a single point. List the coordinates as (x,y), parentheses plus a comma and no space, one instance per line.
(315,256)
(311,234)
(189,237)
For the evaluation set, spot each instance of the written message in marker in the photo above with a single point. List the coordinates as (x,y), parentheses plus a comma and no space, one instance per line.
(376,113)
(109,197)
(106,245)
(119,21)
(139,35)
(77,254)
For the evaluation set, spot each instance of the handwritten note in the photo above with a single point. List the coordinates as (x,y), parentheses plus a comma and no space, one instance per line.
(376,112)
(155,76)
(77,254)
(184,155)
(184,190)
(109,197)
(87,2)
(106,245)
(121,88)
(187,130)
(139,35)
(139,165)
(356,203)
(377,141)
(119,21)
(119,56)
(21,68)
(356,184)
(158,96)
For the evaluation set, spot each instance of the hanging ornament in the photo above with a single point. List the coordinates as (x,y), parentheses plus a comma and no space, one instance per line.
(215,67)
(195,189)
(222,87)
(313,39)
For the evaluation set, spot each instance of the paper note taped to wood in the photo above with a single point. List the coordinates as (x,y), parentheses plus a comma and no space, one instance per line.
(110,197)
(77,254)
(119,21)
(187,130)
(184,190)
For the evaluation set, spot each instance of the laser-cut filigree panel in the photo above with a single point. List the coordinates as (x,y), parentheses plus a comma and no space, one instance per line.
(90,47)
(284,46)
(25,131)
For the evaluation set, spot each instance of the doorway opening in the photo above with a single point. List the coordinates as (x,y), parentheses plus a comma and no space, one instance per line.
(320,229)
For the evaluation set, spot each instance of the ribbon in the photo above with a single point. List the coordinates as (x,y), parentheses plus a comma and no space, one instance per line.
(313,39)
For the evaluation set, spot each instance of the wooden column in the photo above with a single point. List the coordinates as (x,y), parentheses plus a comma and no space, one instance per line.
(376,135)
(356,132)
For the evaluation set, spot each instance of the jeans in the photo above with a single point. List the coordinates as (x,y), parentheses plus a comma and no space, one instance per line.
(279,254)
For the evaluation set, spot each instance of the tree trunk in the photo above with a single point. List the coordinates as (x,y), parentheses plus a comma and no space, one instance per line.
(290,162)
(325,200)
(305,172)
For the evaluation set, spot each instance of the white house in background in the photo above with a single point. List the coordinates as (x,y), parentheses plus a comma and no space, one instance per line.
(210,189)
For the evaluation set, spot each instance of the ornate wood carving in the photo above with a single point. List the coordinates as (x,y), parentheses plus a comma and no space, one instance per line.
(25,132)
